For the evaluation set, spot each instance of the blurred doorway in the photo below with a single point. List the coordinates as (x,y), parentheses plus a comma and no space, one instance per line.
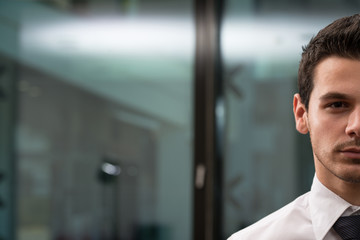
(104,118)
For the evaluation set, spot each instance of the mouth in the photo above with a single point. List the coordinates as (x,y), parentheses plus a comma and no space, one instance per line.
(351,152)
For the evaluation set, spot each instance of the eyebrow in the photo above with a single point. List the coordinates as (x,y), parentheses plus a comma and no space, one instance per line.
(334,95)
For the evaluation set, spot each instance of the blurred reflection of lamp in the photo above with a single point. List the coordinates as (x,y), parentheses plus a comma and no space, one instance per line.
(108,173)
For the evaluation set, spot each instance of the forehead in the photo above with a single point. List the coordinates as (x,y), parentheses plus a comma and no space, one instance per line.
(337,74)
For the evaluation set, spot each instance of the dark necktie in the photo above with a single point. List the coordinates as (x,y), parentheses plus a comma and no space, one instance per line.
(348,228)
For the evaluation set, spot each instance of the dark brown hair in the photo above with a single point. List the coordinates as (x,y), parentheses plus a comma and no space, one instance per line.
(341,38)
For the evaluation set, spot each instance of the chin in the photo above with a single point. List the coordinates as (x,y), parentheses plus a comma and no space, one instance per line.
(350,178)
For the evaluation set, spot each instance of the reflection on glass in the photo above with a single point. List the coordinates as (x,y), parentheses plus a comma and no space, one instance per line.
(267,163)
(104,119)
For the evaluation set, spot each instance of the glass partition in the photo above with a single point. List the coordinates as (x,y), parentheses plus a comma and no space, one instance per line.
(104,118)
(267,163)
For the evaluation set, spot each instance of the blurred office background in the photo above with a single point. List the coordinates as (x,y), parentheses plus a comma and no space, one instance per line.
(98,108)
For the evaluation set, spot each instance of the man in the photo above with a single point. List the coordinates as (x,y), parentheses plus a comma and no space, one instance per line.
(328,108)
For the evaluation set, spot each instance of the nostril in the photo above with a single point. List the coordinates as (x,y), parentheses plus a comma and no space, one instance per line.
(353,132)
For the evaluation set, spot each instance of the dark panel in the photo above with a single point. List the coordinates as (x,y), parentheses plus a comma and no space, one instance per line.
(7,159)
(209,122)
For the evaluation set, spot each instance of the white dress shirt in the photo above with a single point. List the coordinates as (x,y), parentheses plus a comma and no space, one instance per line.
(309,217)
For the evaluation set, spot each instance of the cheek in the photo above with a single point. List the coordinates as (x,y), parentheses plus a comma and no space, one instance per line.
(320,127)
(327,127)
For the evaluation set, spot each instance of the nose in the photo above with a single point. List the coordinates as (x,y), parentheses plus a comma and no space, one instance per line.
(353,125)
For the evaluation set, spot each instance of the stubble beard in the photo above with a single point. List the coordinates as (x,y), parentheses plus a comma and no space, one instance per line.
(346,177)
(349,176)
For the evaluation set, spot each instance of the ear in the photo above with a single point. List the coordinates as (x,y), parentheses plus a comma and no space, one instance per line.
(300,113)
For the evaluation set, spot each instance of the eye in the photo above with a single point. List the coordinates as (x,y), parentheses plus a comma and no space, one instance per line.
(338,105)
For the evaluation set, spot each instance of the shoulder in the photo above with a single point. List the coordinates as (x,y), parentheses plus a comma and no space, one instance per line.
(285,223)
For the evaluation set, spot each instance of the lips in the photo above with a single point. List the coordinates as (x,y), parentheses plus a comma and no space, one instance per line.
(351,152)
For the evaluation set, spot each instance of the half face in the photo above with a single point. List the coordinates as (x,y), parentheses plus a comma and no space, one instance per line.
(333,120)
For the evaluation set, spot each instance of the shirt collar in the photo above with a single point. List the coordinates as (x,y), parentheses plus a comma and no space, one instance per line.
(325,208)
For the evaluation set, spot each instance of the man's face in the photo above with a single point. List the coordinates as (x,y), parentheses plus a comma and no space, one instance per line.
(333,120)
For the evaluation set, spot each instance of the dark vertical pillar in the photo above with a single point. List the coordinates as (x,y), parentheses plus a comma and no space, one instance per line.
(7,156)
(209,122)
